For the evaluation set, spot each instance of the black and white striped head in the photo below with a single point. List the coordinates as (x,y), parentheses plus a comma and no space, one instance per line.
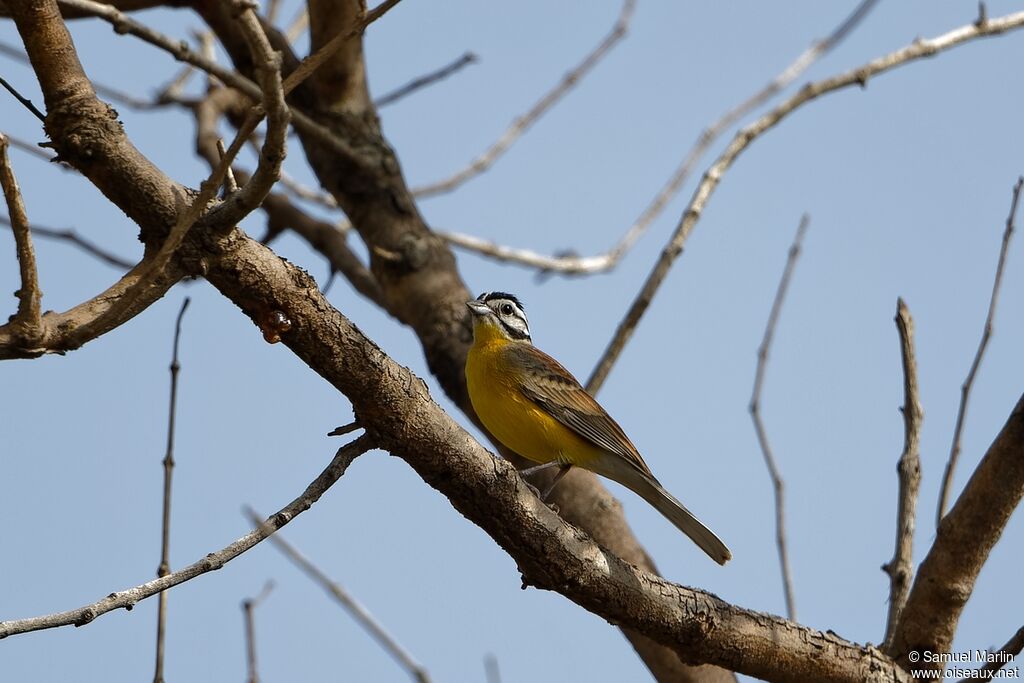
(501,312)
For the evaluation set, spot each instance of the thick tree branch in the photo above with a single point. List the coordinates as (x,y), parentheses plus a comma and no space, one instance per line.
(901,568)
(965,389)
(399,412)
(965,537)
(126,599)
(919,49)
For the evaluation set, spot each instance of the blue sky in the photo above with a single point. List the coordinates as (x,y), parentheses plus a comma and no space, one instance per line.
(907,183)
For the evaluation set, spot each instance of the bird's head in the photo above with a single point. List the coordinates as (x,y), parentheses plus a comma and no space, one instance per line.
(500,314)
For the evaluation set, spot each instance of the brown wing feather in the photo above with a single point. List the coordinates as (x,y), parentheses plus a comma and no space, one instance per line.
(548,384)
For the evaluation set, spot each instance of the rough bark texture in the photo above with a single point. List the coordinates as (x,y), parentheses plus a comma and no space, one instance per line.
(945,579)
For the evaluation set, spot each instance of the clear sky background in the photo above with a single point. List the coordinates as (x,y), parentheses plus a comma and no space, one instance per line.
(907,183)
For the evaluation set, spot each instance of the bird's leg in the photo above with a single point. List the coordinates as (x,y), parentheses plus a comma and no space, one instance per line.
(540,468)
(563,470)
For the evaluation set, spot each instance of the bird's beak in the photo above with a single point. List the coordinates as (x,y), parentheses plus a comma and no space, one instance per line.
(478,307)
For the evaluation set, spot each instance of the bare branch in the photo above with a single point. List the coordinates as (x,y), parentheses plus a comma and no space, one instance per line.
(27,323)
(900,568)
(395,407)
(427,79)
(919,49)
(350,604)
(126,599)
(25,102)
(248,608)
(122,23)
(755,415)
(965,389)
(168,466)
(239,204)
(522,123)
(267,65)
(963,541)
(74,238)
(32,149)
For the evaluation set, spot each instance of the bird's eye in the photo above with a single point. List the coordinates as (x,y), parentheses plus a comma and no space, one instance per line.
(506,309)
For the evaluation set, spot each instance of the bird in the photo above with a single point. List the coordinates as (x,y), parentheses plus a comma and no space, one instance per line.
(532,405)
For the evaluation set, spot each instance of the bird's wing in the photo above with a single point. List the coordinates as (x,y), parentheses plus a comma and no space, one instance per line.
(548,384)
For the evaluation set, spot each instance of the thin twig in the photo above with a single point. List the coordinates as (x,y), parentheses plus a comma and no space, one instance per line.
(26,102)
(350,605)
(249,606)
(900,568)
(425,80)
(34,150)
(168,466)
(128,598)
(755,415)
(28,317)
(79,241)
(919,49)
(522,123)
(965,389)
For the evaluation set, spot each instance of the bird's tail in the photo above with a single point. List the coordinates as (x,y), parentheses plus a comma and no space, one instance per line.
(664,502)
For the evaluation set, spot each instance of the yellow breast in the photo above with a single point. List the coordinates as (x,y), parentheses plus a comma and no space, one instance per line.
(513,419)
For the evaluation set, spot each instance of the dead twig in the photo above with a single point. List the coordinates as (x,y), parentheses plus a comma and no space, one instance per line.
(427,79)
(126,599)
(74,238)
(249,606)
(25,102)
(350,605)
(759,428)
(900,568)
(168,466)
(965,388)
